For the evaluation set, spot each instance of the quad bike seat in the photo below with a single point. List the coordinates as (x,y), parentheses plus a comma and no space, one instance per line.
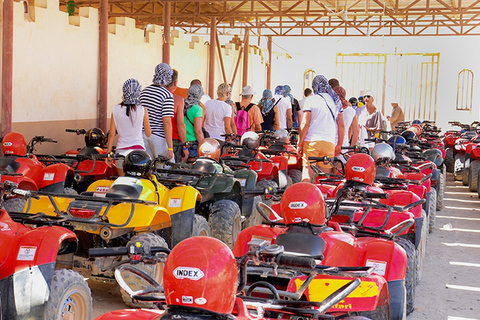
(207,165)
(124,191)
(247,153)
(88,151)
(300,239)
(8,165)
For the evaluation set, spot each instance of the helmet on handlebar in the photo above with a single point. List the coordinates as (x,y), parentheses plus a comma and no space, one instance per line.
(14,143)
(201,272)
(209,148)
(382,151)
(95,138)
(416,128)
(408,135)
(250,139)
(137,163)
(360,168)
(281,135)
(303,201)
(416,121)
(395,140)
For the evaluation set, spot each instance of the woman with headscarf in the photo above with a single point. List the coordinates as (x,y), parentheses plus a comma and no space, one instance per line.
(160,104)
(349,119)
(193,120)
(322,118)
(296,110)
(127,120)
(271,121)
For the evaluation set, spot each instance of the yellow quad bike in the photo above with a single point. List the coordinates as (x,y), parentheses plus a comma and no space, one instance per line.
(126,210)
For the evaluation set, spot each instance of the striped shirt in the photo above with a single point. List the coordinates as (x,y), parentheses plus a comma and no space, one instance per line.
(159,103)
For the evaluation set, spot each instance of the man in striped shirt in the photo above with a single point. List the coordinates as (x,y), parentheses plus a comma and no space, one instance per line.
(159,102)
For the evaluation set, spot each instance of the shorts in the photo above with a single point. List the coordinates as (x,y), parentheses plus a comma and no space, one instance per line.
(155,146)
(317,149)
(193,151)
(177,150)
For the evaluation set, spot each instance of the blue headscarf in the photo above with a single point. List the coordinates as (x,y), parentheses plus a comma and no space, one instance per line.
(320,85)
(266,103)
(131,92)
(280,90)
(195,92)
(163,74)
(287,93)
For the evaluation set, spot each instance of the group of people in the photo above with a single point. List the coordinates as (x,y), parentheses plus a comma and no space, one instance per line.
(170,121)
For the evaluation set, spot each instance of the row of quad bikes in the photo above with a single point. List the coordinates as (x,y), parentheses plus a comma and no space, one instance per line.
(363,227)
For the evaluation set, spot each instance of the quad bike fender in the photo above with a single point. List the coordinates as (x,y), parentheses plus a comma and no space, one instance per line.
(23,182)
(247,178)
(418,231)
(144,217)
(280,162)
(419,176)
(403,198)
(43,204)
(377,217)
(180,199)
(102,183)
(263,232)
(55,175)
(364,298)
(397,299)
(388,258)
(475,153)
(419,190)
(265,170)
(25,292)
(138,314)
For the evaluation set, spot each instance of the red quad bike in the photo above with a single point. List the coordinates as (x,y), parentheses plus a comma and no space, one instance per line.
(19,165)
(303,230)
(33,283)
(449,139)
(203,280)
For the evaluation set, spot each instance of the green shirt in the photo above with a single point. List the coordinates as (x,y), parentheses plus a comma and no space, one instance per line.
(195,111)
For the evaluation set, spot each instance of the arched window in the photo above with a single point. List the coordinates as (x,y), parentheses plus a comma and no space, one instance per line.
(465,90)
(308,76)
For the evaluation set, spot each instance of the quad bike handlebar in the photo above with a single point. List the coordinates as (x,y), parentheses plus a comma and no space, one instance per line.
(77,131)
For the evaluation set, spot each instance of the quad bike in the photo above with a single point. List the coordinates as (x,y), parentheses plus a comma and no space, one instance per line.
(449,140)
(221,202)
(135,207)
(301,228)
(33,281)
(194,285)
(19,165)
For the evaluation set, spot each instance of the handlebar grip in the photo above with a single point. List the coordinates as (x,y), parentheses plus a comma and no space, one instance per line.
(24,193)
(108,252)
(296,262)
(374,195)
(70,130)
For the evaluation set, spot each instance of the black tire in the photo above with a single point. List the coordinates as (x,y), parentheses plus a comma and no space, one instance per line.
(225,221)
(410,276)
(440,187)
(70,191)
(154,271)
(432,210)
(465,172)
(295,175)
(422,247)
(14,204)
(70,297)
(458,167)
(261,185)
(255,218)
(449,160)
(473,175)
(200,227)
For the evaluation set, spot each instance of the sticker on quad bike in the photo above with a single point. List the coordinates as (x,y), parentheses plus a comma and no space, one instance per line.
(174,202)
(26,253)
(188,273)
(243,182)
(4,227)
(100,191)
(48,176)
(380,266)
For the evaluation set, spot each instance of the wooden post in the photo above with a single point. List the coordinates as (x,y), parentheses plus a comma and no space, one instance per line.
(246,47)
(269,62)
(211,64)
(166,32)
(103,56)
(7,66)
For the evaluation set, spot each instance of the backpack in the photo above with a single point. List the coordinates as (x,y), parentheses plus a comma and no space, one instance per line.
(241,120)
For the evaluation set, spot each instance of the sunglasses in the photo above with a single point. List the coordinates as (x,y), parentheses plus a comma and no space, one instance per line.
(367,97)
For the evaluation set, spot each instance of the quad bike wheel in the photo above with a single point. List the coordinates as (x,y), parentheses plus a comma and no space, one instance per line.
(255,218)
(432,209)
(225,221)
(295,175)
(261,185)
(410,276)
(465,172)
(473,175)
(200,227)
(449,160)
(458,168)
(154,271)
(70,297)
(440,188)
(422,247)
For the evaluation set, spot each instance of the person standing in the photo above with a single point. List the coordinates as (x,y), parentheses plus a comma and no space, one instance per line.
(128,118)
(178,124)
(218,114)
(271,121)
(255,119)
(159,102)
(373,122)
(296,111)
(284,108)
(349,119)
(397,115)
(322,115)
(194,120)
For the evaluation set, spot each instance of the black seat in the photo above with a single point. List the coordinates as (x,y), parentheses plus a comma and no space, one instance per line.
(301,240)
(124,191)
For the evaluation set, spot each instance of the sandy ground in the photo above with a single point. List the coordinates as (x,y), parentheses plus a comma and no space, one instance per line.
(450,285)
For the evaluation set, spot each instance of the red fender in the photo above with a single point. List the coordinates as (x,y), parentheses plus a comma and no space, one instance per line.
(55,173)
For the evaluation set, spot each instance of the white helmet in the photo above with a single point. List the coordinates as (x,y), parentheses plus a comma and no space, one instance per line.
(250,139)
(281,135)
(382,151)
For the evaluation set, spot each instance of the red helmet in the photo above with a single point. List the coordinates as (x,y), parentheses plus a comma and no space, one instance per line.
(303,201)
(209,148)
(415,128)
(14,143)
(360,168)
(201,272)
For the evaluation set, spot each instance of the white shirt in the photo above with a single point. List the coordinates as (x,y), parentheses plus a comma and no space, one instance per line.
(283,105)
(323,127)
(129,128)
(205,98)
(348,114)
(215,113)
